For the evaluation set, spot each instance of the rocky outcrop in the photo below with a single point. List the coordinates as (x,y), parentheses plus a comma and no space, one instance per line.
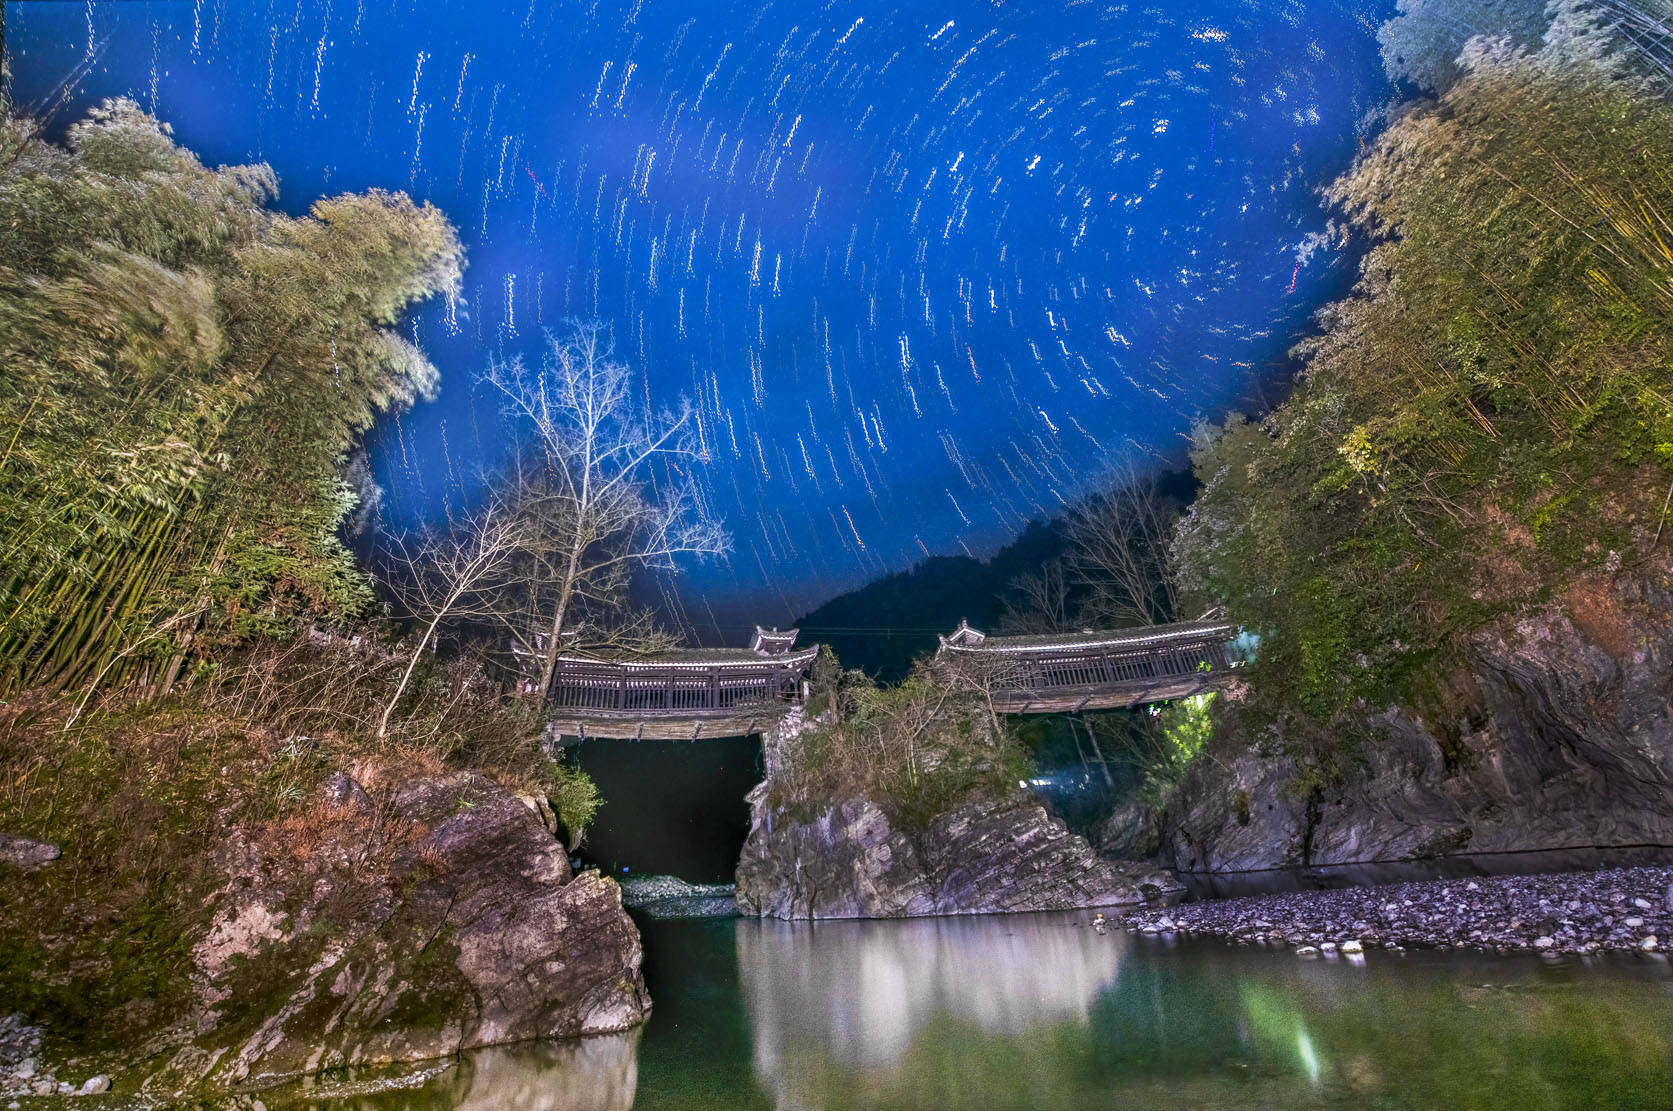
(23,1073)
(1128,832)
(981,857)
(1564,741)
(475,933)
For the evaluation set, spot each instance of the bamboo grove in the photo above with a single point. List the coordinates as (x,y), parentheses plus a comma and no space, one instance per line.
(1489,416)
(184,372)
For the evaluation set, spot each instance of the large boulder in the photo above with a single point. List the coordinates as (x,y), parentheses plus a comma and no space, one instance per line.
(980,857)
(1564,741)
(479,934)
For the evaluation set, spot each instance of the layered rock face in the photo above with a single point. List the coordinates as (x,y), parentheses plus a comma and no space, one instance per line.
(981,857)
(1567,744)
(479,934)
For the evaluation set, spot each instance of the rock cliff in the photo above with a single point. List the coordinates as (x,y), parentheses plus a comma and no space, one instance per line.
(1564,741)
(473,932)
(980,857)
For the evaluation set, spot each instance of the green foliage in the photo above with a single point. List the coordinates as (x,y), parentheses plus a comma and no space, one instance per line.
(573,795)
(1167,741)
(1187,724)
(830,687)
(1482,421)
(916,749)
(183,372)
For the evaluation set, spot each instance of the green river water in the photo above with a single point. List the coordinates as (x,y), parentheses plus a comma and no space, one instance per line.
(1042,1011)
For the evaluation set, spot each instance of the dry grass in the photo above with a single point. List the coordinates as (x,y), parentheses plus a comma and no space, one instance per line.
(1599,613)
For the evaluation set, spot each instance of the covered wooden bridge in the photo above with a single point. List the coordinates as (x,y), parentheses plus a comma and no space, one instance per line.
(1057,673)
(730,692)
(681,695)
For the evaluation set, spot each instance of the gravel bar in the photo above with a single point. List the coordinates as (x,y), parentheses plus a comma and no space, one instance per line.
(1561,912)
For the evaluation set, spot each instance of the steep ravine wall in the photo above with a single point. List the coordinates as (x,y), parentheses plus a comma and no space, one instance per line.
(1564,741)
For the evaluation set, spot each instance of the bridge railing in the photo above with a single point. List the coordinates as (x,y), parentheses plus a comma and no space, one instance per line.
(671,691)
(1091,668)
(1096,668)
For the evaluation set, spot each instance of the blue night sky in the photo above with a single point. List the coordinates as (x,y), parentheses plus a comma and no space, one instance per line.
(923,269)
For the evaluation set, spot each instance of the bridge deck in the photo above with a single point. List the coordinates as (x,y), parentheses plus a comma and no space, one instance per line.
(688,726)
(1121,696)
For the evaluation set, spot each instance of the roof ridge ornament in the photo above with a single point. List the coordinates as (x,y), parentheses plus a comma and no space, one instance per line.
(772,642)
(965,636)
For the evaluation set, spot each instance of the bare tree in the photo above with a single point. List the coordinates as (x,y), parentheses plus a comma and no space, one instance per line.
(1038,601)
(452,576)
(587,485)
(986,675)
(1118,550)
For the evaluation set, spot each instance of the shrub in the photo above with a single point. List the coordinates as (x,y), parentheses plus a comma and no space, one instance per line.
(915,749)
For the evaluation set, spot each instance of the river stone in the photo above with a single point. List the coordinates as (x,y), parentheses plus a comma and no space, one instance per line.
(26,852)
(981,857)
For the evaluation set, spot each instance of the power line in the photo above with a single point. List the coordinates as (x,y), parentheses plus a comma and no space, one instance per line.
(889,629)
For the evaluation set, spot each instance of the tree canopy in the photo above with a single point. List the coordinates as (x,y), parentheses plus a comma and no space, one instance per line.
(183,373)
(1488,416)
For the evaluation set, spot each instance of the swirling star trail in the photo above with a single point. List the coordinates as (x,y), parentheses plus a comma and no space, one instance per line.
(921,269)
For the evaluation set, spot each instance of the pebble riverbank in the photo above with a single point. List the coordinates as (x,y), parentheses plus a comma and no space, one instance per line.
(22,1074)
(1566,912)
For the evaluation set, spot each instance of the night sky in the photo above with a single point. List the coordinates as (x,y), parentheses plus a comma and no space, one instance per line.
(924,269)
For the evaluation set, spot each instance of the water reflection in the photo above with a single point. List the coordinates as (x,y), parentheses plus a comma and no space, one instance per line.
(858,993)
(589,1074)
(1040,1011)
(593,1074)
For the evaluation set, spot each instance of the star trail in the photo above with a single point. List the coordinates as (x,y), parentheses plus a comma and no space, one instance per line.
(923,270)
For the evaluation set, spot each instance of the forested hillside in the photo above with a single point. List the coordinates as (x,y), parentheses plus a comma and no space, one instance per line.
(881,627)
(1486,423)
(197,710)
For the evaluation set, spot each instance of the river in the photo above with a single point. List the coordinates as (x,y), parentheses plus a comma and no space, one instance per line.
(1043,1011)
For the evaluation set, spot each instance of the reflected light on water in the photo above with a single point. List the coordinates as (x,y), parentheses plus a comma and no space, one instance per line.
(856,994)
(1309,1059)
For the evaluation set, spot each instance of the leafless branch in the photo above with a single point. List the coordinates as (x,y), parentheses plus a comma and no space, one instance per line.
(587,495)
